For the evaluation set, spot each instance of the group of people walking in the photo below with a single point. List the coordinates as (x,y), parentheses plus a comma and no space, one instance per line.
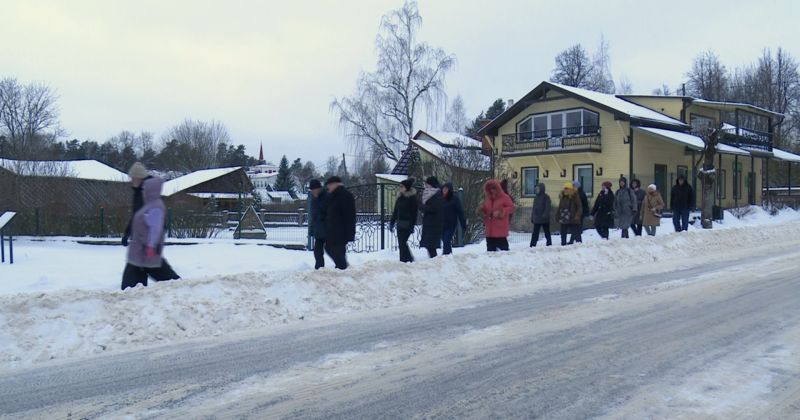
(628,208)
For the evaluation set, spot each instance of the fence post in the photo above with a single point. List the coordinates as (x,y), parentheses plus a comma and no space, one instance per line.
(383,217)
(102,222)
(11,248)
(460,232)
(169,223)
(2,247)
(36,218)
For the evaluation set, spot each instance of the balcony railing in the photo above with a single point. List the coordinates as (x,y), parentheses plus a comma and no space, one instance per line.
(748,138)
(577,139)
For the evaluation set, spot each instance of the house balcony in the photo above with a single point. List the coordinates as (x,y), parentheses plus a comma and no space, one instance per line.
(747,138)
(562,140)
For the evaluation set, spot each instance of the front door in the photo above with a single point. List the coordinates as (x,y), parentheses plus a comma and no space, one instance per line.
(660,179)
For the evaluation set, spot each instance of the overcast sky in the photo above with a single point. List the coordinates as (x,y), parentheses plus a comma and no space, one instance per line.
(269,69)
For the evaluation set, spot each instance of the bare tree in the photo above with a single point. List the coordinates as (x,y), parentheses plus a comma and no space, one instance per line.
(573,67)
(28,118)
(708,78)
(409,79)
(456,117)
(600,79)
(331,166)
(625,86)
(708,176)
(199,142)
(664,90)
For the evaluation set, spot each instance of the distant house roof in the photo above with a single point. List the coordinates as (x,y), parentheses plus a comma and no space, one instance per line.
(784,155)
(283,196)
(732,106)
(403,165)
(618,106)
(193,179)
(438,144)
(392,177)
(79,169)
(689,140)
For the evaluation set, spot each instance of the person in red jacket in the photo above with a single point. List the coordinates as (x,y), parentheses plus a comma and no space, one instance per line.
(496,211)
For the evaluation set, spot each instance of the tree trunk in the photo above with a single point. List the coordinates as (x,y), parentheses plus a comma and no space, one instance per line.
(708,177)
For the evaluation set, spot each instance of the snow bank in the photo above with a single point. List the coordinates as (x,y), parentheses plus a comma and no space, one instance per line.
(36,327)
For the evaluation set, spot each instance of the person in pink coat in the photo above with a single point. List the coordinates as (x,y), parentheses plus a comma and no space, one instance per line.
(496,211)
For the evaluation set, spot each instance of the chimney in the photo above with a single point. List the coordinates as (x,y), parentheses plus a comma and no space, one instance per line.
(509,103)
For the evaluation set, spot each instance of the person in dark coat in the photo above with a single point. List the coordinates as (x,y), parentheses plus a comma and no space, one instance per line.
(404,217)
(540,215)
(146,240)
(577,236)
(624,206)
(453,216)
(432,204)
(319,209)
(570,211)
(681,201)
(636,186)
(138,174)
(603,210)
(340,221)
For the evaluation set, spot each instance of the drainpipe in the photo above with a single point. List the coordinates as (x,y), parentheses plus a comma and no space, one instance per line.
(630,153)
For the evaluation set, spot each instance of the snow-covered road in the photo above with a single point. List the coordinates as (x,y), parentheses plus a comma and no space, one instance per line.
(714,338)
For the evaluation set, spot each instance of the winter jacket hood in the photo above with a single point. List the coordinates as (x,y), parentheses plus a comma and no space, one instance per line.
(407,193)
(542,206)
(151,189)
(496,211)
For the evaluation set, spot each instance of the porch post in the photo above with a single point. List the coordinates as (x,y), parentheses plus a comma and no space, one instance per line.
(719,172)
(630,158)
(767,178)
(694,177)
(752,186)
(790,177)
(738,177)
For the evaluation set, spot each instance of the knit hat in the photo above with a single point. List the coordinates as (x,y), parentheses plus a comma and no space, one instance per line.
(608,185)
(314,184)
(623,179)
(138,170)
(333,179)
(652,187)
(568,186)
(576,183)
(432,181)
(408,183)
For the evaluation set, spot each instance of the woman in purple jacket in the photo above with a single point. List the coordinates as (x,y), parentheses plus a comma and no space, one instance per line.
(146,242)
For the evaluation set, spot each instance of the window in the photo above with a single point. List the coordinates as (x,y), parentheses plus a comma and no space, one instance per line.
(683,170)
(722,184)
(700,124)
(558,124)
(585,175)
(530,178)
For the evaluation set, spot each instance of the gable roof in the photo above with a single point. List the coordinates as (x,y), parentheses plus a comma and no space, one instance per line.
(691,141)
(618,106)
(190,180)
(79,169)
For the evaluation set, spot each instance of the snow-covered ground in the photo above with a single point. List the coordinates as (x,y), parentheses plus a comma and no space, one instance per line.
(60,299)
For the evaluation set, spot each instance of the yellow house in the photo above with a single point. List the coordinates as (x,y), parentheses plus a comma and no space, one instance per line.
(558,133)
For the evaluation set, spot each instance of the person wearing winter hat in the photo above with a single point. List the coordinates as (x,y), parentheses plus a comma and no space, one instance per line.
(570,211)
(577,236)
(624,205)
(319,211)
(603,210)
(636,186)
(651,210)
(144,254)
(139,174)
(682,201)
(404,217)
(496,211)
(540,215)
(431,205)
(452,217)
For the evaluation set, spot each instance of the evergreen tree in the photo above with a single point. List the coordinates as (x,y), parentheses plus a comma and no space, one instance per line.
(284,180)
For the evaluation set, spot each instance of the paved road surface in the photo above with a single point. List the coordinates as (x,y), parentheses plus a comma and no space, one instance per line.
(720,340)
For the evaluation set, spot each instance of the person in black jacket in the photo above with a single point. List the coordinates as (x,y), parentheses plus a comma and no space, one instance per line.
(681,201)
(319,209)
(636,186)
(577,236)
(138,173)
(453,216)
(603,210)
(540,215)
(432,220)
(340,221)
(404,217)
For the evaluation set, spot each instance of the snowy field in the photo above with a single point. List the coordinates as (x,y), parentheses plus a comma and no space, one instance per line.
(61,299)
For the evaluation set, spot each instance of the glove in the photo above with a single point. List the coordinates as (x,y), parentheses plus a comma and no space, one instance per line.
(150,252)
(124,240)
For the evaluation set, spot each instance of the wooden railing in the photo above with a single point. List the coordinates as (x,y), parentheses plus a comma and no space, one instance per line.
(585,138)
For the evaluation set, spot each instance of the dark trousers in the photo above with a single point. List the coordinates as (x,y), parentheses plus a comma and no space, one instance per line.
(496,244)
(402,243)
(651,230)
(319,253)
(431,250)
(447,241)
(133,275)
(680,219)
(535,237)
(624,233)
(577,234)
(637,225)
(602,231)
(338,253)
(567,230)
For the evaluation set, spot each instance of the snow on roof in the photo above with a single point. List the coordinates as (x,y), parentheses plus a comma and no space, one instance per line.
(80,169)
(177,185)
(392,177)
(620,105)
(723,104)
(449,138)
(784,155)
(282,195)
(439,151)
(226,196)
(690,140)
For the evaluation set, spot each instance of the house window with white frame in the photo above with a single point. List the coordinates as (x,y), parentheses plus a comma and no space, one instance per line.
(573,122)
(530,179)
